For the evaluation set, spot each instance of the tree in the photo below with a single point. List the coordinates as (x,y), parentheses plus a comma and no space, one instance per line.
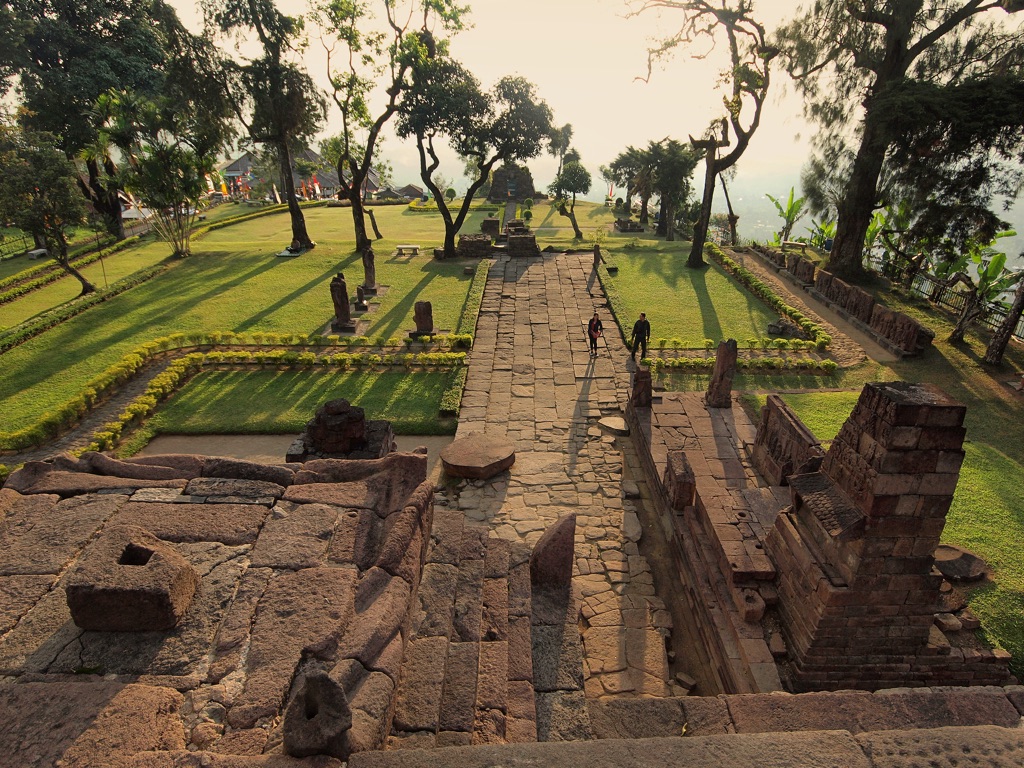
(791,212)
(1001,338)
(879,55)
(993,279)
(573,180)
(733,217)
(559,141)
(446,104)
(672,174)
(369,55)
(69,54)
(39,192)
(746,85)
(273,98)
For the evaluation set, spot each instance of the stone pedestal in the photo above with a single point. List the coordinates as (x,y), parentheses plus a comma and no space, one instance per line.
(341,430)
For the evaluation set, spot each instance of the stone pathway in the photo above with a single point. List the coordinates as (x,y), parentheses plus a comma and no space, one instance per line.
(532,380)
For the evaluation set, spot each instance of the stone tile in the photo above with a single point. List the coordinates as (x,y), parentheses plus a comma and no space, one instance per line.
(419,696)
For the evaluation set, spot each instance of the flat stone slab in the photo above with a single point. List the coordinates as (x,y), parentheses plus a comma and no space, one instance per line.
(478,456)
(615,424)
(958,564)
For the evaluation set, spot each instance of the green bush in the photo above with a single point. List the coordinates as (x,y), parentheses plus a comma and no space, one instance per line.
(451,400)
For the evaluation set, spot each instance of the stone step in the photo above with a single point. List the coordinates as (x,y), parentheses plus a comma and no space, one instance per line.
(468,673)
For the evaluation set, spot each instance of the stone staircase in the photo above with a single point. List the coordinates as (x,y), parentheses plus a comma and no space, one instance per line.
(469,671)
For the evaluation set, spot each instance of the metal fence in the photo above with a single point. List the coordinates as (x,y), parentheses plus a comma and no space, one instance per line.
(952,298)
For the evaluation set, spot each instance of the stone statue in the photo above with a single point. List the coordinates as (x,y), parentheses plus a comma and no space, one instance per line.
(339,295)
(360,305)
(369,270)
(720,388)
(424,316)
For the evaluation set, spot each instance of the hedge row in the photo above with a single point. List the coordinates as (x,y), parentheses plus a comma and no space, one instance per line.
(764,342)
(768,295)
(180,371)
(451,399)
(747,364)
(467,320)
(70,413)
(32,328)
(48,272)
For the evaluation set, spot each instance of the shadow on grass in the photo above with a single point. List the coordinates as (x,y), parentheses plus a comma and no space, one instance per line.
(712,326)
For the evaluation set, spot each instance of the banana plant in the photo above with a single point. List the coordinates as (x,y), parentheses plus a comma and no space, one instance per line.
(791,213)
(821,231)
(992,280)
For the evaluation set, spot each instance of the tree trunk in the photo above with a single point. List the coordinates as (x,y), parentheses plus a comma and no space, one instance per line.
(669,217)
(353,193)
(973,309)
(1001,338)
(300,238)
(644,216)
(857,207)
(700,229)
(662,218)
(105,201)
(733,218)
(373,223)
(65,262)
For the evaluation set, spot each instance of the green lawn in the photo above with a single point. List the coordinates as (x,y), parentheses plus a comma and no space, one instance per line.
(102,273)
(234,282)
(281,402)
(987,517)
(686,304)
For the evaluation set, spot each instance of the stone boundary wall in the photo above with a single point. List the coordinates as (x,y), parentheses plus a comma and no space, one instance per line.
(522,245)
(897,332)
(784,446)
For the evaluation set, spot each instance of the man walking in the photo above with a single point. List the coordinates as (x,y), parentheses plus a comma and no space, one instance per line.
(641,335)
(595,329)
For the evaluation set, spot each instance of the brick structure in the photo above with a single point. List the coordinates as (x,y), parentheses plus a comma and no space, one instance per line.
(857,589)
(903,332)
(802,269)
(523,245)
(474,246)
(784,446)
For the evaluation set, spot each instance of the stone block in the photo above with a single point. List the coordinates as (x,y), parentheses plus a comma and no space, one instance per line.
(130,581)
(679,481)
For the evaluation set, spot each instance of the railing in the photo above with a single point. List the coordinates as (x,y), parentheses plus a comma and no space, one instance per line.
(953,299)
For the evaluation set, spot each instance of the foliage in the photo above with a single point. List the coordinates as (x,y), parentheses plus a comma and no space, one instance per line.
(745,84)
(475,297)
(791,212)
(371,54)
(992,280)
(906,64)
(446,104)
(573,180)
(673,165)
(39,193)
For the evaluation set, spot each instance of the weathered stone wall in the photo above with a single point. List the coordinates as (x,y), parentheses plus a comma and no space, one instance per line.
(784,446)
(853,300)
(802,269)
(901,331)
(857,589)
(295,635)
(474,246)
(523,245)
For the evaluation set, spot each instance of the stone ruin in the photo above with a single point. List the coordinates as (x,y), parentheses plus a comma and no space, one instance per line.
(719,393)
(340,430)
(310,612)
(491,227)
(858,590)
(784,446)
(474,246)
(423,316)
(522,245)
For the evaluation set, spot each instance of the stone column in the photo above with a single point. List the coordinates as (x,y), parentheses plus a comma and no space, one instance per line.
(642,388)
(854,553)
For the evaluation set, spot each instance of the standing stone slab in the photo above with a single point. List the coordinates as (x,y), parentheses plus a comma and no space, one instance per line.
(419,697)
(551,562)
(458,698)
(720,389)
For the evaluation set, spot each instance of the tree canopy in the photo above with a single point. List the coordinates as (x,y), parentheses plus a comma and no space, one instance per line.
(898,60)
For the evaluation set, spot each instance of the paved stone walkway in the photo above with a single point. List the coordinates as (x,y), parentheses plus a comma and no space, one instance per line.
(531,378)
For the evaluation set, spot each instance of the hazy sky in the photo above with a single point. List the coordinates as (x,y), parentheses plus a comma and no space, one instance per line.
(586,58)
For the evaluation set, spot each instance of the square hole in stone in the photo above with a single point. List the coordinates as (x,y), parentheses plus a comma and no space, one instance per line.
(135,554)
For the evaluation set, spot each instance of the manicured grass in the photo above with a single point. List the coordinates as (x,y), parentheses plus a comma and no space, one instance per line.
(682,303)
(234,282)
(555,229)
(281,402)
(987,517)
(102,273)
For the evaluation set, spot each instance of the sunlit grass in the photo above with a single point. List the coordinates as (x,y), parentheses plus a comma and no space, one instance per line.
(281,402)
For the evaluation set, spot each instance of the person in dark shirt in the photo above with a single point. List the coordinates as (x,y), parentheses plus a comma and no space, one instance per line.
(641,335)
(594,331)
